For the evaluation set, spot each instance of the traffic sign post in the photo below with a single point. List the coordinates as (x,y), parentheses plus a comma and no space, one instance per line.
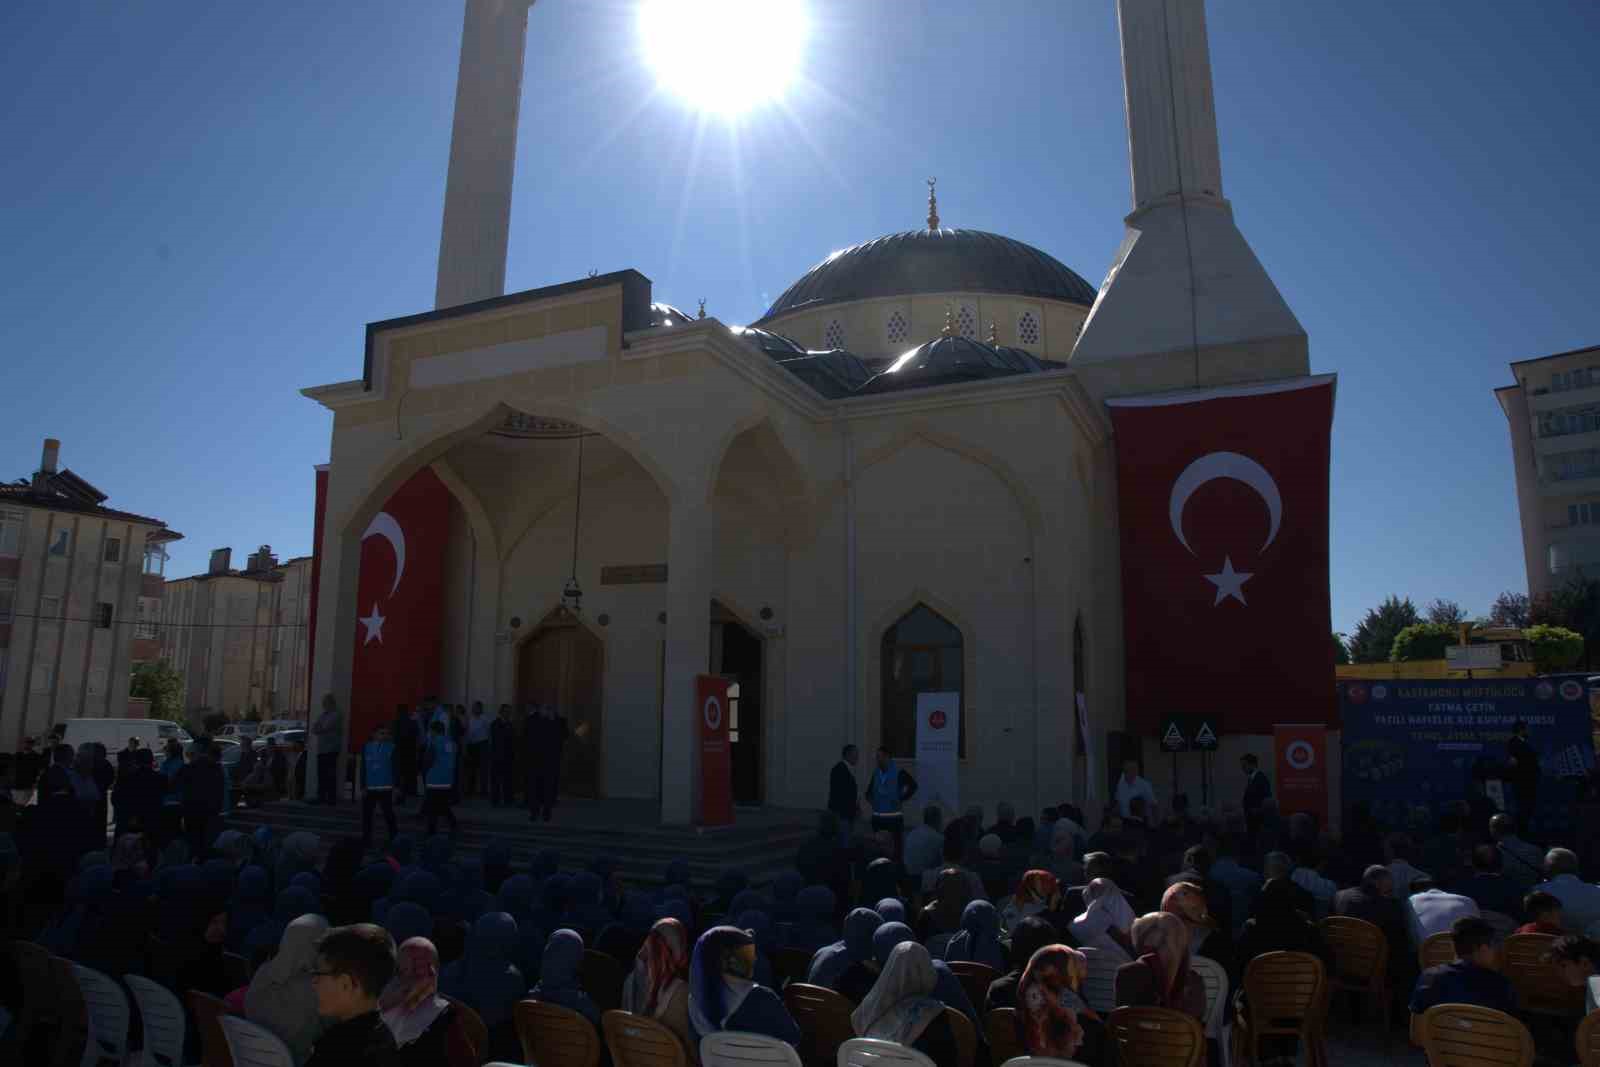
(1189,732)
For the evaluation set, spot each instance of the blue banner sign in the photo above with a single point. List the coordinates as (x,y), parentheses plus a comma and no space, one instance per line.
(1411,747)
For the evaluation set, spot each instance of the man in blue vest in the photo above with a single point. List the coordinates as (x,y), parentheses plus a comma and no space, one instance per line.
(438,777)
(887,790)
(377,782)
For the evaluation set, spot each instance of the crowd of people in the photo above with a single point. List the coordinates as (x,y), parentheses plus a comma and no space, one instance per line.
(356,957)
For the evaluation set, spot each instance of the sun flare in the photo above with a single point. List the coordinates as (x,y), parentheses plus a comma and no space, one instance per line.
(724,56)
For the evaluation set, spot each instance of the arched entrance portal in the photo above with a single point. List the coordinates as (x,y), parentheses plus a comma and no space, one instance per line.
(563,664)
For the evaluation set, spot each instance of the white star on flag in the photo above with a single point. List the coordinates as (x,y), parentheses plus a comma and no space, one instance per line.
(374,625)
(1229,582)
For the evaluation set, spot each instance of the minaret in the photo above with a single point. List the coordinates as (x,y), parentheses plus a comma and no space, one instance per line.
(1184,281)
(483,153)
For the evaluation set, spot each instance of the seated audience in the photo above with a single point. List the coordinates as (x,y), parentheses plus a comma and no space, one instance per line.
(723,995)
(1038,893)
(282,996)
(354,965)
(1280,926)
(924,845)
(1240,882)
(1433,911)
(901,1006)
(952,894)
(1053,1018)
(485,978)
(1520,860)
(1488,885)
(1470,978)
(558,975)
(1543,913)
(1580,901)
(658,986)
(1206,937)
(1399,849)
(426,1027)
(1029,937)
(978,940)
(1159,977)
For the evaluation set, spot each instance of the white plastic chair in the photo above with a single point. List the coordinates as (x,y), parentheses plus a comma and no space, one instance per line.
(253,1045)
(1040,1061)
(1100,987)
(870,1052)
(162,1017)
(734,1048)
(106,1006)
(1215,979)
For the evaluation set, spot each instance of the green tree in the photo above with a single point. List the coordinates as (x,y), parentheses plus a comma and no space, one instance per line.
(1555,648)
(1374,637)
(1510,609)
(160,683)
(1422,640)
(1446,613)
(1576,607)
(1341,654)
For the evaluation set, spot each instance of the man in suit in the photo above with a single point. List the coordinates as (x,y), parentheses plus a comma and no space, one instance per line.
(1257,790)
(843,798)
(1524,766)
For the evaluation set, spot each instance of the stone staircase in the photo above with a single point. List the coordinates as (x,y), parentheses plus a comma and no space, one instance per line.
(762,842)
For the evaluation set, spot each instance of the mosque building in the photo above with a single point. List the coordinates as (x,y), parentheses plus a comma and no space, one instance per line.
(903,478)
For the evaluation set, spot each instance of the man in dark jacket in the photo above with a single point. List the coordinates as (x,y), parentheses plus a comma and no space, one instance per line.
(502,758)
(1489,886)
(138,794)
(200,788)
(1524,767)
(842,791)
(406,739)
(1257,790)
(26,767)
(546,737)
(1471,978)
(354,964)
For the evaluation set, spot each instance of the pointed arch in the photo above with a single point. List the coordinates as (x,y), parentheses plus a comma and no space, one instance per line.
(873,654)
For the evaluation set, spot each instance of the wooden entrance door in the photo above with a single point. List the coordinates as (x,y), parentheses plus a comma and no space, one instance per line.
(564,664)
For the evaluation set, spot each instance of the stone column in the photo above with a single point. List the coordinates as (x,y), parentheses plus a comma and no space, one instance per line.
(689,573)
(483,153)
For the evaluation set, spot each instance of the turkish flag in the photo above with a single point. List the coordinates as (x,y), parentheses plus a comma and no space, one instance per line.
(399,604)
(1223,505)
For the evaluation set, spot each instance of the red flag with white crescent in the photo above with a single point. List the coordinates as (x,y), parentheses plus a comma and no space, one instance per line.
(399,604)
(1223,508)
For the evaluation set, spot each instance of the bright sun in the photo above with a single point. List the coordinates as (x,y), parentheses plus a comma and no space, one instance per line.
(724,56)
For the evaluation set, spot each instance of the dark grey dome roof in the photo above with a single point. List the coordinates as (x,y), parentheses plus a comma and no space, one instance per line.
(946,360)
(834,373)
(934,261)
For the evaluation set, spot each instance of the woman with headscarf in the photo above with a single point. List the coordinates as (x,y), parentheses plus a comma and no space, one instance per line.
(402,853)
(298,853)
(586,909)
(723,994)
(1188,902)
(814,926)
(785,897)
(833,962)
(951,895)
(658,986)
(901,1007)
(758,924)
(281,996)
(891,910)
(1052,1016)
(1029,937)
(486,979)
(978,940)
(622,938)
(947,987)
(546,863)
(558,975)
(1278,925)
(1038,893)
(516,900)
(730,883)
(406,921)
(882,879)
(235,847)
(1160,977)
(427,1029)
(249,905)
(288,906)
(1106,921)
(496,866)
(128,863)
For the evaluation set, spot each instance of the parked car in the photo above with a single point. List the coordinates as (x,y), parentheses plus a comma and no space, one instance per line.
(114,733)
(229,750)
(279,737)
(239,731)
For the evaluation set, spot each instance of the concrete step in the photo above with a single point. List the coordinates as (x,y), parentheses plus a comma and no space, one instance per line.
(760,843)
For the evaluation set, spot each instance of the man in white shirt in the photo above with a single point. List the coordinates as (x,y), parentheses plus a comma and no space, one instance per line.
(477,761)
(1580,901)
(1433,910)
(1131,785)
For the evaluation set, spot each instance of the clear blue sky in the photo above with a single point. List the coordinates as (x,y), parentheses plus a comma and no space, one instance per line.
(205,203)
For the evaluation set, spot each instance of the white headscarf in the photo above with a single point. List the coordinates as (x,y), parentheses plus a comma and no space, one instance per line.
(281,996)
(901,1003)
(1106,908)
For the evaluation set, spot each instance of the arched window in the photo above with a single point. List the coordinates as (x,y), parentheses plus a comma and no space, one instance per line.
(921,654)
(833,334)
(1028,328)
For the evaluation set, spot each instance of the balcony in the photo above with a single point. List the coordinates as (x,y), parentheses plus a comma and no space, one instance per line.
(1557,443)
(1550,489)
(1566,398)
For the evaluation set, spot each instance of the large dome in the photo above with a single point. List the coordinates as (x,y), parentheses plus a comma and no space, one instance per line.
(934,261)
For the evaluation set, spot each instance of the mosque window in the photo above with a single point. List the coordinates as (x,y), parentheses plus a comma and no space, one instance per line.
(922,653)
(895,329)
(967,322)
(833,334)
(1028,328)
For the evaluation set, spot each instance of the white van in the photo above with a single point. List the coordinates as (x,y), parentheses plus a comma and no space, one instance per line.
(114,733)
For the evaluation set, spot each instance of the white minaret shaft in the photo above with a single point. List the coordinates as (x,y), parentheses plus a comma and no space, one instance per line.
(1172,118)
(483,153)
(1184,289)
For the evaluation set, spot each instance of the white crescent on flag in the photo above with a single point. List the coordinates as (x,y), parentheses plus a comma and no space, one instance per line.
(384,526)
(1214,465)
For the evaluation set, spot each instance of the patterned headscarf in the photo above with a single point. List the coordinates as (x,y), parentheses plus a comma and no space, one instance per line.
(1049,1003)
(719,977)
(1162,941)
(1036,892)
(1106,919)
(659,970)
(901,1003)
(411,1002)
(1188,902)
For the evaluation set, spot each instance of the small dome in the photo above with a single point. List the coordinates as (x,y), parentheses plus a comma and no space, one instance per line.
(934,261)
(946,360)
(834,373)
(667,315)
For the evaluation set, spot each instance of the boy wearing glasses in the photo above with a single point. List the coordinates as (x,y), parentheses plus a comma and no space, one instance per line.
(354,963)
